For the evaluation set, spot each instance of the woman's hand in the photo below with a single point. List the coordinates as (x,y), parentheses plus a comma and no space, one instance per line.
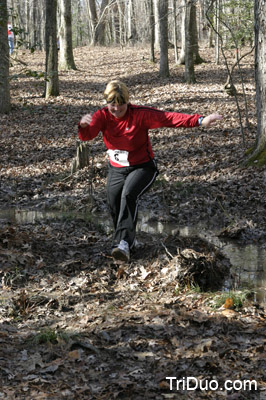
(85,120)
(210,119)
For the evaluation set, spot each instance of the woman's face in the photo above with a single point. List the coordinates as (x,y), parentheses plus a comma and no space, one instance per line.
(118,111)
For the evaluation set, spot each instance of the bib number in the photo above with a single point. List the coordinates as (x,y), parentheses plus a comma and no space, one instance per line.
(119,157)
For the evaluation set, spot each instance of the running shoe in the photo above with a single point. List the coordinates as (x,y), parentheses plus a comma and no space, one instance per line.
(121,252)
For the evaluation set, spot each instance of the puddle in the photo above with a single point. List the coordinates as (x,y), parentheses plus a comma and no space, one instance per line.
(248,261)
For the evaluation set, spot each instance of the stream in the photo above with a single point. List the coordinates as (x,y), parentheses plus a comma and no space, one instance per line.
(248,261)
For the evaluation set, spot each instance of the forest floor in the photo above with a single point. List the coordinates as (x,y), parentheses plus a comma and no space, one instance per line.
(76,325)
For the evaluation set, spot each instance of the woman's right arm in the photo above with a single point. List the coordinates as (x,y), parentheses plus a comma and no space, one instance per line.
(85,120)
(89,126)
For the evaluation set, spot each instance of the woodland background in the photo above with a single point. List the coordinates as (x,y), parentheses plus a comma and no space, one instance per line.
(162,23)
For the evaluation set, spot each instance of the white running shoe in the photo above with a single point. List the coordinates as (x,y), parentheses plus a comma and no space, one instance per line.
(121,252)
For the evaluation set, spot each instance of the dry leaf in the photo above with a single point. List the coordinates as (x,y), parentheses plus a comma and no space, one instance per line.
(229,303)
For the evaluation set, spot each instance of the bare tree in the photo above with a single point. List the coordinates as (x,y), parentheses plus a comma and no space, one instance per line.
(189,27)
(98,24)
(131,21)
(93,17)
(260,78)
(175,29)
(181,59)
(51,64)
(156,24)
(66,60)
(194,32)
(4,60)
(163,15)
(121,25)
(189,50)
(217,28)
(152,31)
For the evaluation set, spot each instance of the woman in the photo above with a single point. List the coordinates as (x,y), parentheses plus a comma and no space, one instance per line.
(132,168)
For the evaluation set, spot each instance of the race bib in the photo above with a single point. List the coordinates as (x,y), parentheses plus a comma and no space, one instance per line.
(119,157)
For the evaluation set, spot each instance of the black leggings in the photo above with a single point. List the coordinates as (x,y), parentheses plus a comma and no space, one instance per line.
(125,186)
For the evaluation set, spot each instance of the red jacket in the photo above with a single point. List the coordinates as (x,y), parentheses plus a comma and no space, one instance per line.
(130,133)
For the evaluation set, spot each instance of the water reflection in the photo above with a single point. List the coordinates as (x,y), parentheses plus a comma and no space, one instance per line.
(26,216)
(248,261)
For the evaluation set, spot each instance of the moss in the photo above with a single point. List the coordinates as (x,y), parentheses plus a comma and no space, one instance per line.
(262,158)
(249,151)
(51,336)
(161,181)
(258,160)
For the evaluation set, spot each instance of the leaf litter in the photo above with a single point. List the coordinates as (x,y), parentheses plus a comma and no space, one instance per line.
(75,325)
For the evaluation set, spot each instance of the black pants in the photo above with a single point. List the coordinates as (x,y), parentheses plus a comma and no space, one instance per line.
(125,186)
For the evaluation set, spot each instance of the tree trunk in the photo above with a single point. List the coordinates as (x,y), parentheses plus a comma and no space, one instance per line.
(194,32)
(66,61)
(152,31)
(101,26)
(131,22)
(175,31)
(189,53)
(163,14)
(157,24)
(120,6)
(34,23)
(260,77)
(98,24)
(210,30)
(27,13)
(39,25)
(80,32)
(181,59)
(93,19)
(217,38)
(114,26)
(51,65)
(4,60)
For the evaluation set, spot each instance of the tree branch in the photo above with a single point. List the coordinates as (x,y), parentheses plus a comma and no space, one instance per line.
(228,70)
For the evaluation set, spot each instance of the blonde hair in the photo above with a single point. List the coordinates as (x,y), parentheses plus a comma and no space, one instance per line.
(116,92)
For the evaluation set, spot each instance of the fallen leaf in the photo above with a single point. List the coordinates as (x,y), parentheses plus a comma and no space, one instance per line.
(229,303)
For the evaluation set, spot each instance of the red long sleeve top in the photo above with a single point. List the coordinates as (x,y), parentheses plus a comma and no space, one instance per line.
(127,139)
